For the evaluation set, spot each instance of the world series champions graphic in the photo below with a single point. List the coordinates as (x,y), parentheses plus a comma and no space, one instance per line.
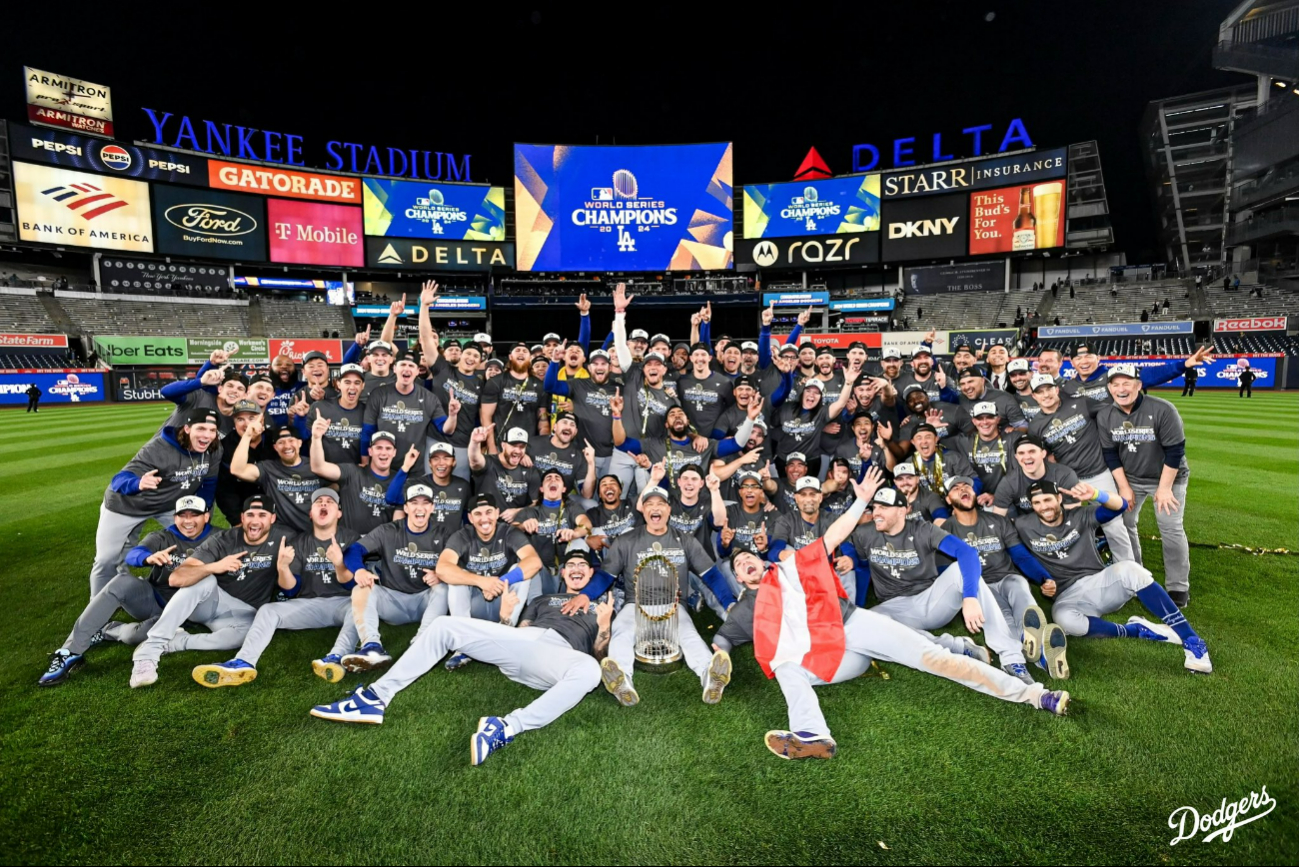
(623,208)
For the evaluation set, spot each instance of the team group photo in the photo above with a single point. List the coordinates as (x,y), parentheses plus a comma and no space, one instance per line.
(909,482)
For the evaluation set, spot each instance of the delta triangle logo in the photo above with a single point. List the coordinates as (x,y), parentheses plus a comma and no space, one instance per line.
(389,256)
(813,168)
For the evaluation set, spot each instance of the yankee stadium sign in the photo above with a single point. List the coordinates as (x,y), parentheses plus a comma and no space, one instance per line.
(249,143)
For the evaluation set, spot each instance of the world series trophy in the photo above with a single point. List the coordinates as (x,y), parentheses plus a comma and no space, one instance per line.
(658,646)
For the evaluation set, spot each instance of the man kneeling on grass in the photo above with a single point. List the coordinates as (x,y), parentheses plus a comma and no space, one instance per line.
(837,640)
(548,650)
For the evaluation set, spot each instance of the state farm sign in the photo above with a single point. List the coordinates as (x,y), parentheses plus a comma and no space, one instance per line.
(46,341)
(1253,323)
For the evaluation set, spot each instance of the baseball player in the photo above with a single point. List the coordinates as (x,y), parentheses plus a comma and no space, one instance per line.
(799,424)
(865,449)
(679,449)
(1144,445)
(161,551)
(556,520)
(464,384)
(406,409)
(1020,372)
(975,389)
(867,635)
(948,419)
(405,589)
(611,515)
(657,538)
(175,463)
(451,493)
(514,484)
(780,491)
(990,450)
(516,398)
(900,556)
(288,389)
(364,489)
(1031,465)
(379,355)
(704,393)
(936,463)
(562,451)
(549,650)
(589,399)
(288,480)
(922,503)
(229,386)
(1006,562)
(1083,588)
(1070,433)
(1092,380)
(309,570)
(229,576)
(231,491)
(931,377)
(798,529)
(345,413)
(746,520)
(482,561)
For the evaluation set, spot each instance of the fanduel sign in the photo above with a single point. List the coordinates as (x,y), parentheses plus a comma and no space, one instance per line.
(866,157)
(268,146)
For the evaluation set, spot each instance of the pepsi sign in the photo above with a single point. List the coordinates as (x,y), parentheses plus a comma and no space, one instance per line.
(87,153)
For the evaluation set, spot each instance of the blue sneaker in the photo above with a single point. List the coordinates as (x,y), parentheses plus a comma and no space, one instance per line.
(1140,627)
(974,650)
(1197,655)
(97,639)
(492,734)
(801,745)
(458,660)
(695,602)
(362,706)
(371,656)
(1055,701)
(236,672)
(62,664)
(329,668)
(1019,671)
(1057,666)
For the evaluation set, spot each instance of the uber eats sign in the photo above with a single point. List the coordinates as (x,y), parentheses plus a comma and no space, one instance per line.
(142,350)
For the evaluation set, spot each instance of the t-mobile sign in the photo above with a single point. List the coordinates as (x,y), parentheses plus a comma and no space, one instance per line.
(311,233)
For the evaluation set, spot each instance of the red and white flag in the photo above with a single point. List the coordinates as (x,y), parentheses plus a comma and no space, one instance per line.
(797,617)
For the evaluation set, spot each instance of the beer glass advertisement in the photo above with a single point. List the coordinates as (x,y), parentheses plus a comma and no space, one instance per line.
(650,208)
(1017,219)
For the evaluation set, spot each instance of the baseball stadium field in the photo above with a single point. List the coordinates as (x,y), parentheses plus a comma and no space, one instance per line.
(94,772)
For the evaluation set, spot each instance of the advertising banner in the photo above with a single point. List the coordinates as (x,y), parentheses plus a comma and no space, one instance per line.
(1219,373)
(1251,323)
(401,253)
(623,208)
(134,385)
(440,303)
(76,151)
(821,207)
(838,340)
(56,387)
(58,206)
(1116,329)
(126,276)
(296,348)
(907,341)
(856,249)
(982,338)
(211,224)
(976,175)
(141,350)
(862,305)
(70,103)
(1017,219)
(268,181)
(795,299)
(408,209)
(931,227)
(309,233)
(33,341)
(957,277)
(241,350)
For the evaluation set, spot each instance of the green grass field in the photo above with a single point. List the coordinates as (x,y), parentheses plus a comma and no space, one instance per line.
(94,772)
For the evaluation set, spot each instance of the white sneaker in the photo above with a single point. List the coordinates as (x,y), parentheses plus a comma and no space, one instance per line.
(974,650)
(1169,633)
(144,673)
(1197,656)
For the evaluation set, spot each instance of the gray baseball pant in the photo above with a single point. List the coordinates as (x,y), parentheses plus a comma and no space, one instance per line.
(941,601)
(464,600)
(1013,598)
(315,613)
(1121,542)
(622,642)
(117,534)
(228,619)
(539,658)
(1102,593)
(125,591)
(870,635)
(1177,552)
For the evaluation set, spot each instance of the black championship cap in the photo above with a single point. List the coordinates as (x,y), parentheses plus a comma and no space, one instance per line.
(750,381)
(314,355)
(260,377)
(1042,486)
(924,427)
(257,501)
(232,375)
(286,431)
(582,554)
(962,347)
(1032,440)
(483,499)
(970,373)
(202,416)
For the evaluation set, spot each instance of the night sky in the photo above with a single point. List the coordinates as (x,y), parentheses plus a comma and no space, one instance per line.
(820,75)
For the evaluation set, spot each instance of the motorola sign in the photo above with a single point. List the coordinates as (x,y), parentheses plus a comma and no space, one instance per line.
(848,249)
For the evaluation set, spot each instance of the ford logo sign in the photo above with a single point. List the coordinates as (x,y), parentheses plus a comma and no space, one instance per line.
(210,220)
